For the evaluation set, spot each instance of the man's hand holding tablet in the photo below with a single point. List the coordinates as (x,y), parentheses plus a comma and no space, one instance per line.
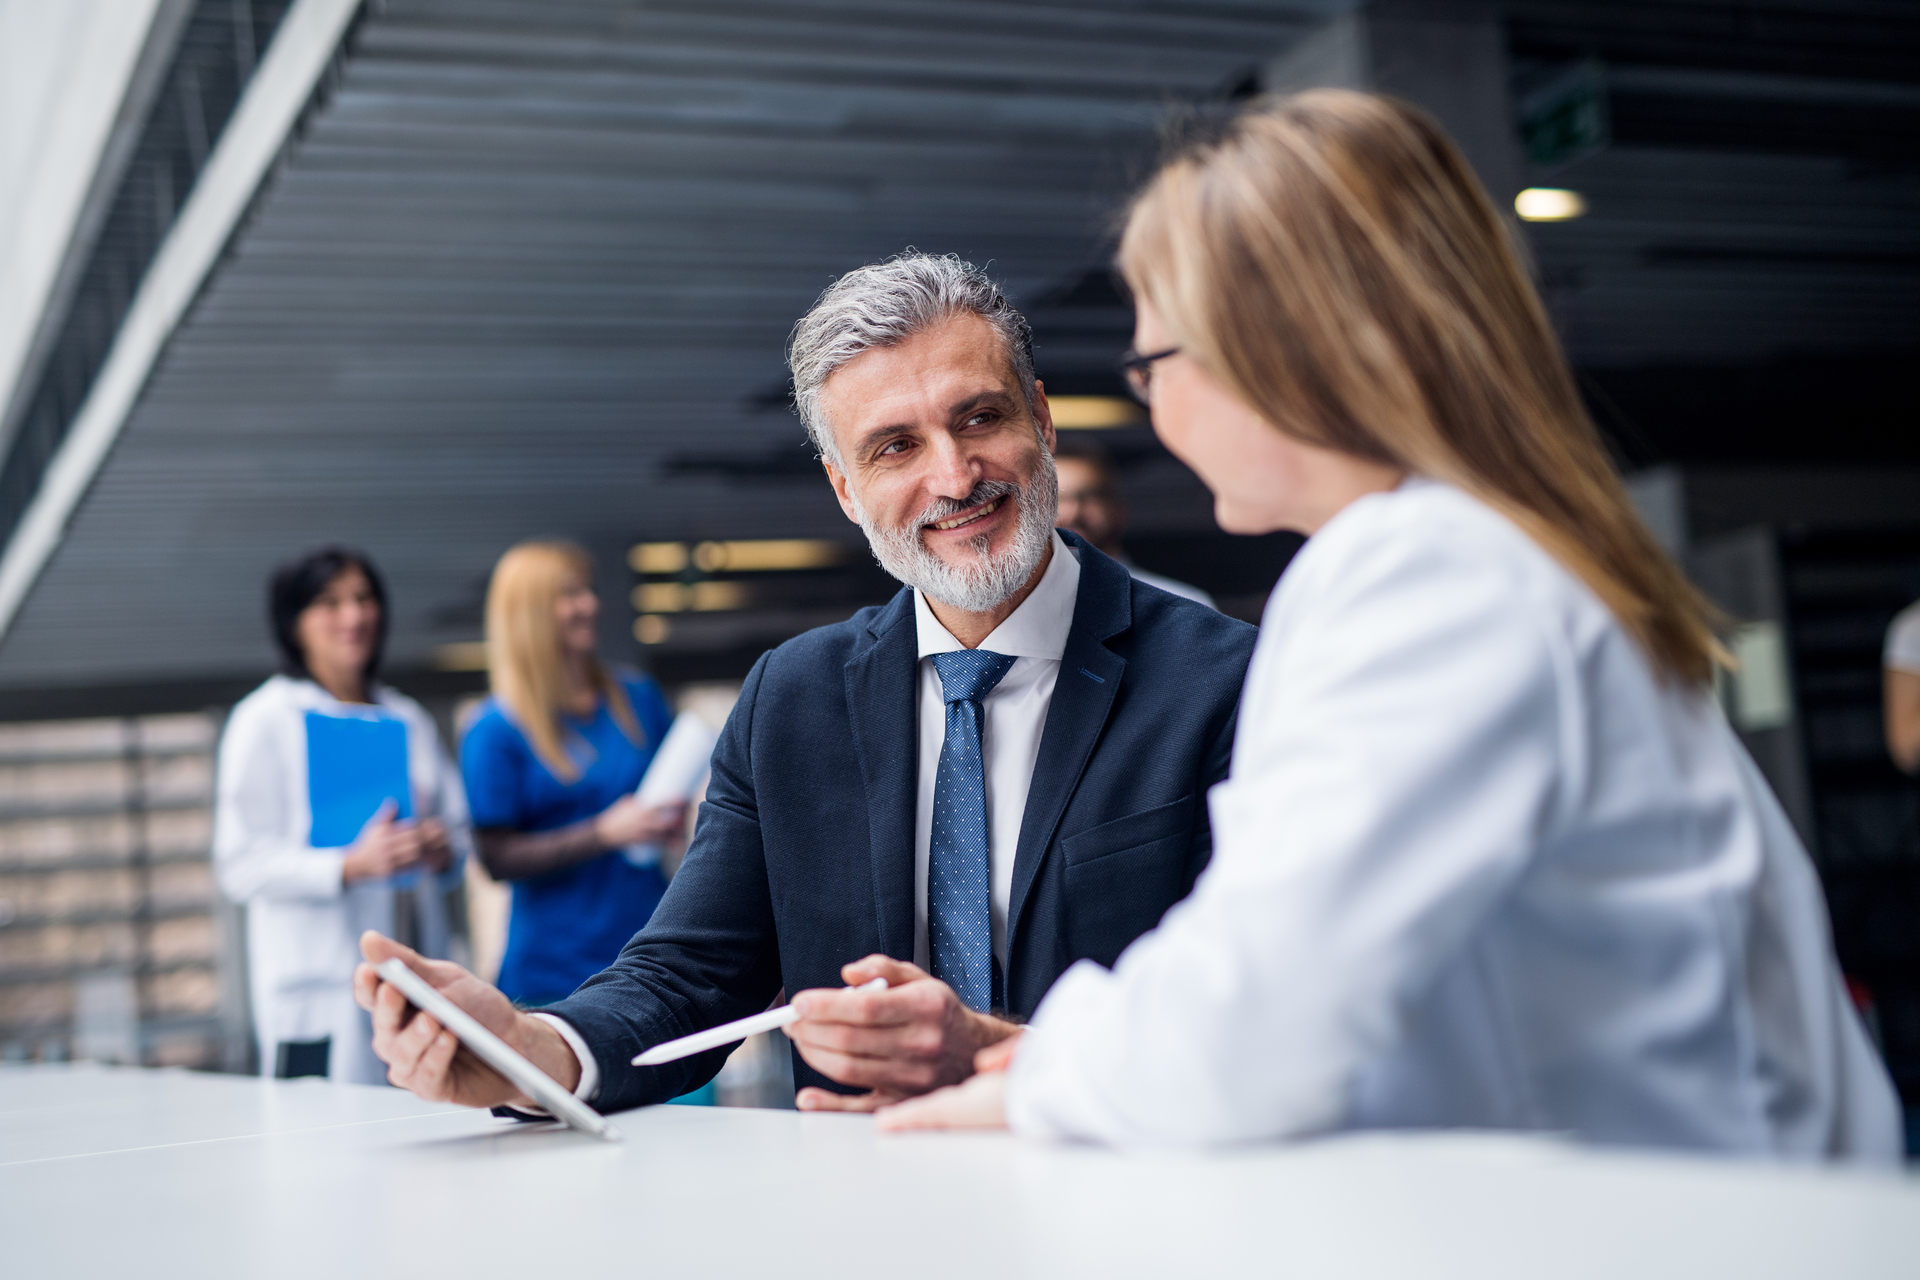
(898,1042)
(426,1059)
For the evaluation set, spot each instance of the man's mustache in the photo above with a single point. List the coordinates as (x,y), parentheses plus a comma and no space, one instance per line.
(984,492)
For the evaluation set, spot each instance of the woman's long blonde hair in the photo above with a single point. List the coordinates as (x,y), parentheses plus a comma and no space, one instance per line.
(1334,262)
(524,661)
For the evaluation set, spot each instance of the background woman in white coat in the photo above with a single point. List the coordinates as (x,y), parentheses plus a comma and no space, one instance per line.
(1489,855)
(307,905)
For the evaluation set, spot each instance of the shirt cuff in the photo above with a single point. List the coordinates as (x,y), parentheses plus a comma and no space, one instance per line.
(323,872)
(589,1085)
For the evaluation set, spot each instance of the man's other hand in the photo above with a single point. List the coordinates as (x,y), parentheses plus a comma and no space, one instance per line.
(913,1037)
(425,1058)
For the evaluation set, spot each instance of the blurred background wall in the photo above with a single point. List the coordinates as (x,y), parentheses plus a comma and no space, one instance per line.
(433,276)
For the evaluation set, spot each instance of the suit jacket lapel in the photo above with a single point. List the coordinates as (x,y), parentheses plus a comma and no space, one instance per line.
(881,703)
(1083,695)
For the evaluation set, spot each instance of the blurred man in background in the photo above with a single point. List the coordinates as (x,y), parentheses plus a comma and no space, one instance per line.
(1091,506)
(1902,678)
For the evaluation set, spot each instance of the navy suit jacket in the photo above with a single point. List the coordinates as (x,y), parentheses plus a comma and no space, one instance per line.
(802,860)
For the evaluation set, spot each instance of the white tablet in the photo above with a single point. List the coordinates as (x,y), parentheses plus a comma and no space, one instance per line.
(496,1053)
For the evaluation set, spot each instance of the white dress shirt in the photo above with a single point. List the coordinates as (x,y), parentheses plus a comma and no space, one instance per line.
(1476,865)
(1035,636)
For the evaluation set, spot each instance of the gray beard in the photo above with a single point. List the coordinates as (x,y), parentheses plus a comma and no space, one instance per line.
(982,583)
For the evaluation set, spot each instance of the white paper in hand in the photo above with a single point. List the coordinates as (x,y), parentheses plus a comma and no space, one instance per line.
(682,761)
(678,768)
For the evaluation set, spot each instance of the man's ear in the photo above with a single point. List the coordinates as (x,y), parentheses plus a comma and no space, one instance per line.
(1043,414)
(840,489)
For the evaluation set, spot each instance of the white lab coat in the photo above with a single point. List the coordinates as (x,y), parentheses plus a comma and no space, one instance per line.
(303,924)
(1475,865)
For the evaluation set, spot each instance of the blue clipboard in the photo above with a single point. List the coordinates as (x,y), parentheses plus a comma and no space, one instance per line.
(354,765)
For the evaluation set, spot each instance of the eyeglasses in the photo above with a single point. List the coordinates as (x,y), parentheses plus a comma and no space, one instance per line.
(1138,370)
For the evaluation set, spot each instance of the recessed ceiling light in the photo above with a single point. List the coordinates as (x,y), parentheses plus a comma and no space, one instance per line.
(751,555)
(1091,413)
(661,597)
(717,596)
(760,555)
(467,655)
(1549,204)
(658,557)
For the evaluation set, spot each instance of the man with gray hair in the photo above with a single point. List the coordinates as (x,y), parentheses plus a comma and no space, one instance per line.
(999,773)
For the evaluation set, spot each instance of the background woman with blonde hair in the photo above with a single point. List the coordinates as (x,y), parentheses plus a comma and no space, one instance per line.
(1489,855)
(550,764)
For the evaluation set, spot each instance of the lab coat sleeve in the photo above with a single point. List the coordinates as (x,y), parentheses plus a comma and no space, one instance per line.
(450,806)
(1401,755)
(254,853)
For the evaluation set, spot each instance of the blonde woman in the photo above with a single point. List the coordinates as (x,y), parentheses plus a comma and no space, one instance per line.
(1488,855)
(550,766)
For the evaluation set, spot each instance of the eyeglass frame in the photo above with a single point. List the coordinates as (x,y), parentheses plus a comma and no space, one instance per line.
(1137,369)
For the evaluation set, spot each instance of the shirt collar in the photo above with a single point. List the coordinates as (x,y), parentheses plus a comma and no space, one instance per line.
(1037,629)
(308,695)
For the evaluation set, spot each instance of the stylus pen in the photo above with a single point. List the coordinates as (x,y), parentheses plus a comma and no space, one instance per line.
(727,1032)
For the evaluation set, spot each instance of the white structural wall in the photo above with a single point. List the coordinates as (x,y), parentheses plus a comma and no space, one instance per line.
(64,68)
(283,84)
(1450,59)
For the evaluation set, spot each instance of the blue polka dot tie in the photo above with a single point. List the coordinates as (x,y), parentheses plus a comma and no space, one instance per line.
(959,880)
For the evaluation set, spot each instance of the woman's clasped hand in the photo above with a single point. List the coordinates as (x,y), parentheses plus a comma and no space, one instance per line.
(388,846)
(978,1102)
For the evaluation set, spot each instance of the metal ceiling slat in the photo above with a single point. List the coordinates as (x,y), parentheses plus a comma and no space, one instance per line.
(528,250)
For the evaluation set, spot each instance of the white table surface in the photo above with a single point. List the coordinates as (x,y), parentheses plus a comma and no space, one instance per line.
(128,1173)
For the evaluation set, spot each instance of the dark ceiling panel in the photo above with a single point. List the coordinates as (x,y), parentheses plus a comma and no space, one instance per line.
(530,269)
(1743,287)
(1873,40)
(531,266)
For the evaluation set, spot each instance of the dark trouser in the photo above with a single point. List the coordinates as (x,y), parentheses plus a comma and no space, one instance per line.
(294,1058)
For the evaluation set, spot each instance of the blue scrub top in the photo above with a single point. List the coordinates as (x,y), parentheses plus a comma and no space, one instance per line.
(569,924)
